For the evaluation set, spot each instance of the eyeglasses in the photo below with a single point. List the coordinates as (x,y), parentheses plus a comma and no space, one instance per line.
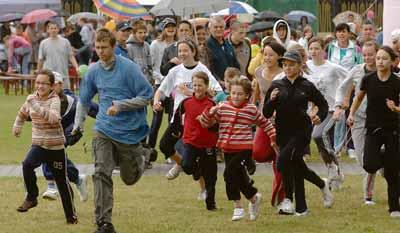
(42,83)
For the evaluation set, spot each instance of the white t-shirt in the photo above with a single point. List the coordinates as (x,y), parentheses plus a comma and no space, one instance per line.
(326,78)
(182,75)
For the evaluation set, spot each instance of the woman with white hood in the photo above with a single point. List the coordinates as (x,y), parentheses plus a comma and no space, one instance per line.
(281,32)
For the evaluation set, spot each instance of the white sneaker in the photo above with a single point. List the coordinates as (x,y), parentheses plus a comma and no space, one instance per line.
(238,213)
(352,153)
(304,213)
(169,161)
(173,172)
(50,194)
(369,202)
(82,188)
(202,195)
(286,207)
(254,209)
(335,177)
(395,214)
(327,195)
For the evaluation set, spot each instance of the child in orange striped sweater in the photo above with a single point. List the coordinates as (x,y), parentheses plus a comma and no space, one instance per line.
(236,118)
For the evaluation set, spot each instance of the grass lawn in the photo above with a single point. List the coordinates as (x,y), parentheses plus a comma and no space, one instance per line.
(13,150)
(156,205)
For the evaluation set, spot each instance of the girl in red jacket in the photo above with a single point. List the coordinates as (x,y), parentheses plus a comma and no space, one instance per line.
(236,118)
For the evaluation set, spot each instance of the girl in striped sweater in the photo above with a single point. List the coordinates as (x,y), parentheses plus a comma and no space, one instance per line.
(43,107)
(236,118)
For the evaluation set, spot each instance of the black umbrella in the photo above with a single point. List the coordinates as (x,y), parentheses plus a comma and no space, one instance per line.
(261,26)
(267,15)
(11,17)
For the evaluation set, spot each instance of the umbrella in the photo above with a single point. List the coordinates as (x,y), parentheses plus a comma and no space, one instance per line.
(188,7)
(297,15)
(89,15)
(199,21)
(38,15)
(343,18)
(11,17)
(267,15)
(261,26)
(121,9)
(236,7)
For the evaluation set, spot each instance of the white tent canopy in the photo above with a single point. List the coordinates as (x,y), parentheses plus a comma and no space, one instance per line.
(25,6)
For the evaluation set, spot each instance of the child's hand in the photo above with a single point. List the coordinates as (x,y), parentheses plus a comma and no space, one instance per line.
(182,88)
(391,105)
(16,131)
(315,119)
(157,106)
(213,110)
(202,122)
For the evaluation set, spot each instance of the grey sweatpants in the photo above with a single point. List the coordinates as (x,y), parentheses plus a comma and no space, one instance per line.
(317,134)
(358,132)
(107,153)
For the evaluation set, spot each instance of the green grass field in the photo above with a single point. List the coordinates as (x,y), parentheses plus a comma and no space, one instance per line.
(155,205)
(13,150)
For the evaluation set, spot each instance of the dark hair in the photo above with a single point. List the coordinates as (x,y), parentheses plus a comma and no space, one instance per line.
(48,23)
(185,22)
(49,74)
(103,34)
(341,27)
(192,46)
(317,40)
(244,82)
(276,47)
(390,51)
(203,76)
(368,22)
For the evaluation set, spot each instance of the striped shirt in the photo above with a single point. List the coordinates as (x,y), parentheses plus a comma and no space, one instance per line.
(47,131)
(235,125)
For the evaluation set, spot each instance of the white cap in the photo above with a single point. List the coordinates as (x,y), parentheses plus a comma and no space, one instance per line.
(395,36)
(58,77)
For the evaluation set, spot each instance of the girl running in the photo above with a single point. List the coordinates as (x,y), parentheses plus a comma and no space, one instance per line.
(236,118)
(382,89)
(289,98)
(198,157)
(43,107)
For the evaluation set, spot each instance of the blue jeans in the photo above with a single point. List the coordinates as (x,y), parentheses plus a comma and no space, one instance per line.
(25,53)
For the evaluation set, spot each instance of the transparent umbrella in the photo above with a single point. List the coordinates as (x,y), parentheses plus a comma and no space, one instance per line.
(186,8)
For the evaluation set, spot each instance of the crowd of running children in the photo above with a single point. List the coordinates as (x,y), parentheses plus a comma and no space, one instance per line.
(266,109)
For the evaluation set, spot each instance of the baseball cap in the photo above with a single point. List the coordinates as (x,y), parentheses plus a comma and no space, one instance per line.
(122,26)
(395,35)
(292,56)
(58,77)
(167,21)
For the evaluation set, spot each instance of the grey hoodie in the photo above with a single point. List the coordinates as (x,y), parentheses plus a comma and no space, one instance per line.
(288,42)
(139,52)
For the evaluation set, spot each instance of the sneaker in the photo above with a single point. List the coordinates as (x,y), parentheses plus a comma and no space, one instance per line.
(286,207)
(105,228)
(238,213)
(369,201)
(304,213)
(169,161)
(82,188)
(173,172)
(202,195)
(26,205)
(327,195)
(395,214)
(50,194)
(148,165)
(254,208)
(352,153)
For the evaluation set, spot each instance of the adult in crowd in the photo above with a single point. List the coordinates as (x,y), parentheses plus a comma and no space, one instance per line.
(55,53)
(221,52)
(120,124)
(18,49)
(241,45)
(368,32)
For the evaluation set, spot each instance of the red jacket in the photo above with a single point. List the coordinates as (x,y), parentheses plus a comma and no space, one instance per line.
(235,125)
(193,133)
